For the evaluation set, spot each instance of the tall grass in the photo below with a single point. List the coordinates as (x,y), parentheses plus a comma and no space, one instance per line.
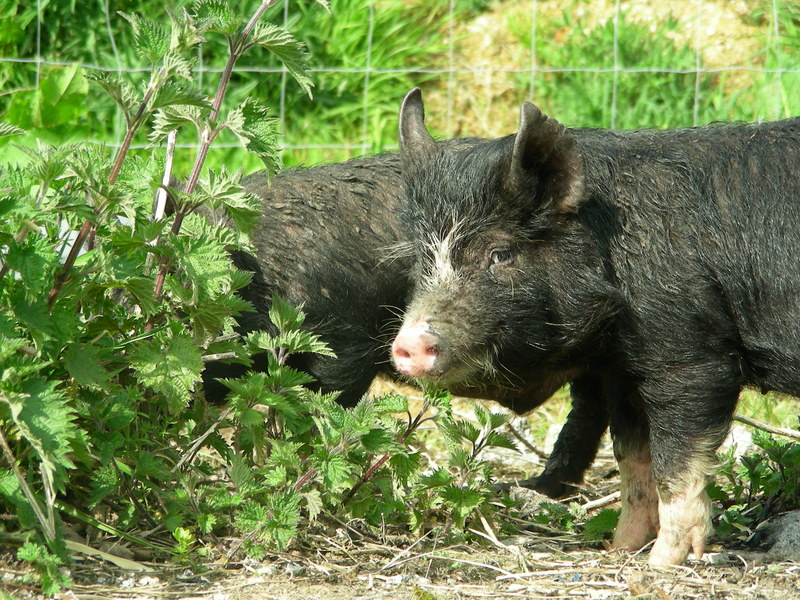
(354,110)
(649,78)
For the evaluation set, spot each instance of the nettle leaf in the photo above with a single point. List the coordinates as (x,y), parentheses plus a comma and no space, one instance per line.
(150,39)
(462,502)
(406,467)
(216,16)
(600,525)
(500,440)
(314,504)
(12,493)
(44,418)
(302,341)
(291,52)
(391,404)
(440,400)
(275,477)
(82,361)
(174,117)
(378,440)
(175,64)
(481,414)
(256,130)
(6,130)
(285,316)
(184,32)
(206,264)
(497,419)
(48,162)
(467,430)
(121,90)
(242,475)
(34,259)
(285,453)
(225,191)
(335,471)
(439,478)
(169,367)
(281,525)
(34,315)
(174,92)
(105,480)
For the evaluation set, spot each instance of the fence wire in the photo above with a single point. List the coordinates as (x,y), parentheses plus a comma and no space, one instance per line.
(532,69)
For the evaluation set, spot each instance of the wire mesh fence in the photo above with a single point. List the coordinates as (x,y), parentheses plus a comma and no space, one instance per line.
(608,63)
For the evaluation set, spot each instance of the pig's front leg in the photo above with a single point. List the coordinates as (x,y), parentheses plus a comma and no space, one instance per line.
(685,433)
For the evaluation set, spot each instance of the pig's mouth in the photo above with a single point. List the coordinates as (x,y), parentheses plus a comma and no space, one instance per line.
(420,351)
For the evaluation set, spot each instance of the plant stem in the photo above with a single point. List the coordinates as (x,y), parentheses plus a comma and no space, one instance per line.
(208,135)
(48,525)
(87,227)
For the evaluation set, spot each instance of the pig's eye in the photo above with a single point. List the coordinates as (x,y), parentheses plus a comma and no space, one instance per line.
(500,256)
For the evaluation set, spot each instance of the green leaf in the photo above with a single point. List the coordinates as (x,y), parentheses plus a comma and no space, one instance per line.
(7,130)
(174,117)
(256,130)
(82,361)
(285,316)
(59,100)
(12,494)
(275,477)
(170,367)
(501,440)
(35,260)
(314,504)
(44,418)
(120,90)
(207,266)
(601,525)
(184,94)
(241,475)
(335,471)
(216,16)
(33,315)
(378,440)
(150,39)
(287,49)
(438,478)
(406,467)
(391,404)
(281,526)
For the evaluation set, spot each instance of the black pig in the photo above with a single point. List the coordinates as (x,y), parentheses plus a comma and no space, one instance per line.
(661,264)
(322,242)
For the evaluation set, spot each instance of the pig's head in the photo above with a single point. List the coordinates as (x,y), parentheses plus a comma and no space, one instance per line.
(496,251)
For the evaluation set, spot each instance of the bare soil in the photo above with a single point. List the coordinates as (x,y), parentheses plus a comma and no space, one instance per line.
(339,561)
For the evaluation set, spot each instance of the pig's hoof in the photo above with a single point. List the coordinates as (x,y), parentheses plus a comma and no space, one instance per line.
(666,554)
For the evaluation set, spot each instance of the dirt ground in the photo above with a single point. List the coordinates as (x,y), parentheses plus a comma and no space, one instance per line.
(530,567)
(341,562)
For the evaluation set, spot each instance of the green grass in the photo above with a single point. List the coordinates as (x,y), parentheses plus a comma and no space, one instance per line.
(358,113)
(642,93)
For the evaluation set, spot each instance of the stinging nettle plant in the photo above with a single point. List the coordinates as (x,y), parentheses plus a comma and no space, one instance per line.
(106,306)
(110,305)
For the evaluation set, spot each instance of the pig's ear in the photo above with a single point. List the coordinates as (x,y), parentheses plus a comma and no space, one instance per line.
(416,144)
(546,157)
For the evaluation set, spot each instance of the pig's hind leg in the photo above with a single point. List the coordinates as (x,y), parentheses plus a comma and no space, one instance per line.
(578,441)
(639,518)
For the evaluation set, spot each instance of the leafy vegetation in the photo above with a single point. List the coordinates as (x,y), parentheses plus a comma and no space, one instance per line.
(110,307)
(756,487)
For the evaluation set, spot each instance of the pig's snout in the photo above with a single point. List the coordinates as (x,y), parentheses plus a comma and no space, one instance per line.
(416,349)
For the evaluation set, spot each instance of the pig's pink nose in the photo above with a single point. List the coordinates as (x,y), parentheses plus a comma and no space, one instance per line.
(415,349)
